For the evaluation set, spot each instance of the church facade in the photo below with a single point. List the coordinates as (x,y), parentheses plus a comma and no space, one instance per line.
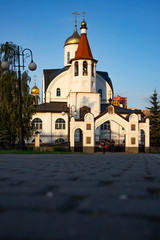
(77,104)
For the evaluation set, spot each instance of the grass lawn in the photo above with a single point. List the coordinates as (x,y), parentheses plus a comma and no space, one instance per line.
(17,151)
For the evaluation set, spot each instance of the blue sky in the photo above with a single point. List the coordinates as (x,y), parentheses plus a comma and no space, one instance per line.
(124,37)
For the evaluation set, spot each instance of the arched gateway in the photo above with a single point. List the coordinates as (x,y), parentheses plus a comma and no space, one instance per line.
(130,126)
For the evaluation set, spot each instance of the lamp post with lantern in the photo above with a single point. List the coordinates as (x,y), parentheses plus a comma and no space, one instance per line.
(70,113)
(32,67)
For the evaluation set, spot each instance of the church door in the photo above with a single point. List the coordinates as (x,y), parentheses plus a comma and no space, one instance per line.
(142,141)
(78,140)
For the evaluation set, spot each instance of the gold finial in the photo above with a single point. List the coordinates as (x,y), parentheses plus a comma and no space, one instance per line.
(76,13)
(84,24)
(84,16)
(35,79)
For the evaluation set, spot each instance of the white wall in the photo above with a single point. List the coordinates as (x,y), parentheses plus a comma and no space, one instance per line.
(72,48)
(48,132)
(88,119)
(61,81)
(106,89)
(81,99)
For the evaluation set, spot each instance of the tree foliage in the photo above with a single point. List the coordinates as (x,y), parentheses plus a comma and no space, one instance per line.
(9,106)
(154,119)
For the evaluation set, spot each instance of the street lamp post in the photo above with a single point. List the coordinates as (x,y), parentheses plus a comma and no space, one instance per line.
(32,66)
(70,114)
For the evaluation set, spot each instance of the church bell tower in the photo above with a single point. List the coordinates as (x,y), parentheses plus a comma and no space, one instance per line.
(83,65)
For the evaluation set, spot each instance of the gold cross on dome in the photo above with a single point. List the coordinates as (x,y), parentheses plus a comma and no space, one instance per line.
(84,15)
(35,79)
(76,13)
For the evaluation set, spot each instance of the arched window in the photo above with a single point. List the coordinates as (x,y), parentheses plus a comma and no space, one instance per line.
(60,123)
(37,123)
(85,70)
(106,126)
(76,69)
(58,92)
(100,91)
(84,110)
(133,127)
(68,57)
(92,69)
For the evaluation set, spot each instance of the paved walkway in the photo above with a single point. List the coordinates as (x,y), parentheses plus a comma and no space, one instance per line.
(80,197)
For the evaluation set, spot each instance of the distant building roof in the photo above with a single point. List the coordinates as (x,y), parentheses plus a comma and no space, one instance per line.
(146,112)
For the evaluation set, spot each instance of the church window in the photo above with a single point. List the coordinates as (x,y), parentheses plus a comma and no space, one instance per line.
(88,140)
(88,126)
(92,69)
(93,84)
(60,123)
(133,141)
(76,69)
(106,126)
(100,91)
(133,127)
(37,124)
(68,57)
(58,92)
(85,68)
(84,110)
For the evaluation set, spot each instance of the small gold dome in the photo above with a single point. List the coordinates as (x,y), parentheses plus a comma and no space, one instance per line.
(84,24)
(74,39)
(35,91)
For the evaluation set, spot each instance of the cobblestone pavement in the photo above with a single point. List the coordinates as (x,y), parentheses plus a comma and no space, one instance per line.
(88,197)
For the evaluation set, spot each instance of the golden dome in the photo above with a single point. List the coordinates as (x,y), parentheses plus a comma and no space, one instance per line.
(74,39)
(84,24)
(35,91)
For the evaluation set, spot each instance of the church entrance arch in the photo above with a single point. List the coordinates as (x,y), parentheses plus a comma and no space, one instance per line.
(78,140)
(112,129)
(105,131)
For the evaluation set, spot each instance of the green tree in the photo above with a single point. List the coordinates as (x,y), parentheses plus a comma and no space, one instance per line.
(28,107)
(9,109)
(7,53)
(154,119)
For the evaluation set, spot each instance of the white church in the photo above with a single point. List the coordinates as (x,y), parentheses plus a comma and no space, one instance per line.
(77,104)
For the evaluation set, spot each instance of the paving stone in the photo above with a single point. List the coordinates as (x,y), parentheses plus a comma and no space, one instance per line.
(48,225)
(111,196)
